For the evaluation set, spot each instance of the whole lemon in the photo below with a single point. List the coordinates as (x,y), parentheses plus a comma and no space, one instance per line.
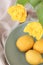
(33,57)
(39,46)
(25,43)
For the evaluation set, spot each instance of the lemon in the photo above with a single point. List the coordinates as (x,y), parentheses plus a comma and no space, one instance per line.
(39,46)
(33,57)
(24,43)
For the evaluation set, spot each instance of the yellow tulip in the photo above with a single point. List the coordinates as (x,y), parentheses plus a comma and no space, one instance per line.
(18,13)
(34,29)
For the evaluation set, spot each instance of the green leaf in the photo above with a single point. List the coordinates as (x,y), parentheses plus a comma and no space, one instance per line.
(23,2)
(34,2)
(40,12)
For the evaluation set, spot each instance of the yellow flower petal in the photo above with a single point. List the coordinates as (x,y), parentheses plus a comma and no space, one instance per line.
(18,13)
(34,29)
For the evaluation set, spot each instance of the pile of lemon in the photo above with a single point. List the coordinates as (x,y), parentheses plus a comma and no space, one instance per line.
(27,44)
(33,49)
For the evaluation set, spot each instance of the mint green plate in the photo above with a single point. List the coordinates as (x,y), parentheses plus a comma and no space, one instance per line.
(13,55)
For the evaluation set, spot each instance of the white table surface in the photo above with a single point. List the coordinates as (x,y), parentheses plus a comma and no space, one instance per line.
(11,24)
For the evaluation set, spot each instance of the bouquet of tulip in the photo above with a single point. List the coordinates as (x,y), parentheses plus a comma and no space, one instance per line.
(34,3)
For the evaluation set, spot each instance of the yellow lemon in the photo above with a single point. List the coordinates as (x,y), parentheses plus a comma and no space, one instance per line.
(24,43)
(18,13)
(33,57)
(39,46)
(34,29)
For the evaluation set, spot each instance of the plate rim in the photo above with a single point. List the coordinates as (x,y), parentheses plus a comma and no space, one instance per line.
(7,39)
(10,34)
